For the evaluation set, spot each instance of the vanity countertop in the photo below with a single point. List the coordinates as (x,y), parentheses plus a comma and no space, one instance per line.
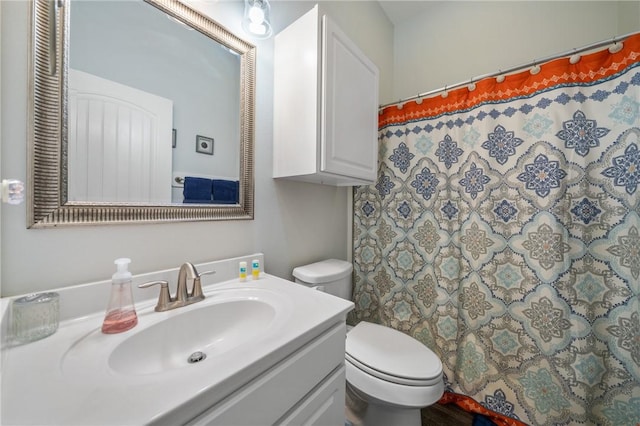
(67,378)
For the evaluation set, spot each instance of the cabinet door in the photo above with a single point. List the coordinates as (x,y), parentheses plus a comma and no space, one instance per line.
(296,102)
(349,135)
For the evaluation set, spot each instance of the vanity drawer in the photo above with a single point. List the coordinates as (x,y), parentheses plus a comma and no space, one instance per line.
(324,406)
(279,391)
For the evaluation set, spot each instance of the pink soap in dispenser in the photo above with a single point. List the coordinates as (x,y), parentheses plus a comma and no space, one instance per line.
(121,314)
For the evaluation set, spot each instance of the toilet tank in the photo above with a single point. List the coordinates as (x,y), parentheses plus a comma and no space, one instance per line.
(332,276)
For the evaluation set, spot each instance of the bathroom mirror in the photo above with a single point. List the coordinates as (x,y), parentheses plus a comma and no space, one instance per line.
(211,136)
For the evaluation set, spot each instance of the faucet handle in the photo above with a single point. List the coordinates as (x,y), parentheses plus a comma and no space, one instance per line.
(196,291)
(164,298)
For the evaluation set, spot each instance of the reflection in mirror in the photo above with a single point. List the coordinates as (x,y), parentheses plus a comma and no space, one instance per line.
(121,118)
(157,102)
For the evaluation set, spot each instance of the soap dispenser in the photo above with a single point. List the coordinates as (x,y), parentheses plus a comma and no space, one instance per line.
(121,314)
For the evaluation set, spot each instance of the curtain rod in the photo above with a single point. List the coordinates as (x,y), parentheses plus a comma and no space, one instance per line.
(534,63)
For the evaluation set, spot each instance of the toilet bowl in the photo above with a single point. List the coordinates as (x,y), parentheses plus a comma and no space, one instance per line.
(393,373)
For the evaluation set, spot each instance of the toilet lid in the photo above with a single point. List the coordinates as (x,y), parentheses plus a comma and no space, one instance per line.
(324,271)
(392,355)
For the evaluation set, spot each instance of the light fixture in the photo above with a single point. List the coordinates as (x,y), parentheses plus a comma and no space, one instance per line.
(255,21)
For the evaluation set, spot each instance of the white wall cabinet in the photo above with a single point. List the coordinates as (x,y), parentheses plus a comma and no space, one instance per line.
(325,105)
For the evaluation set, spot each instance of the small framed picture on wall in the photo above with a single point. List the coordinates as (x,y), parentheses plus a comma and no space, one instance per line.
(204,145)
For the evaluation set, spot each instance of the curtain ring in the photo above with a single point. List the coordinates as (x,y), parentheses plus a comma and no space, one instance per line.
(444,92)
(400,104)
(500,77)
(535,69)
(472,86)
(575,58)
(616,47)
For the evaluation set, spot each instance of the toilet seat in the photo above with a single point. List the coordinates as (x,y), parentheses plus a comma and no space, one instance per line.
(374,389)
(390,378)
(392,356)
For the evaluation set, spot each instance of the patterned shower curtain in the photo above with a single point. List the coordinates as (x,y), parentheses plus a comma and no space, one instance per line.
(503,232)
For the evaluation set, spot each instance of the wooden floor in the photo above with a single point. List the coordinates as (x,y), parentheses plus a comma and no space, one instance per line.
(446,415)
(435,415)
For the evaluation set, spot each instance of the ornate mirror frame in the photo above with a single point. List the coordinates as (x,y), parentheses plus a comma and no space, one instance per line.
(48,204)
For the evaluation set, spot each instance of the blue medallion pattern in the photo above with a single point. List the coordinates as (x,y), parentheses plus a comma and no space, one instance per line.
(506,237)
(542,175)
(474,181)
(626,169)
(384,185)
(425,183)
(448,151)
(401,157)
(502,144)
(498,403)
(404,209)
(505,210)
(367,209)
(586,211)
(581,134)
(449,210)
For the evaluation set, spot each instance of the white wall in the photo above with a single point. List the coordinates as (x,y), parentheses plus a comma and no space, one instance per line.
(458,40)
(295,223)
(628,16)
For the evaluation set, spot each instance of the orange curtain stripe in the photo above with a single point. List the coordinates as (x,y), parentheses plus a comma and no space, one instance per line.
(469,405)
(553,73)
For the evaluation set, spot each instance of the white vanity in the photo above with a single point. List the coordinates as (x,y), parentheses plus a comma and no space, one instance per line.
(274,355)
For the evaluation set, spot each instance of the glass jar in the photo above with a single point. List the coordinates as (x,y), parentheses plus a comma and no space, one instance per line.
(35,316)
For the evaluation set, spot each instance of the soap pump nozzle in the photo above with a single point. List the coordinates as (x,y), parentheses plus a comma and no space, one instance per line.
(121,313)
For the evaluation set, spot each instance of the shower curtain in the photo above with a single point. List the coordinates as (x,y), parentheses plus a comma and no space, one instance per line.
(503,232)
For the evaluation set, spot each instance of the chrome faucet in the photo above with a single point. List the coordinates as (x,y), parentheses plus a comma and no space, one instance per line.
(183,297)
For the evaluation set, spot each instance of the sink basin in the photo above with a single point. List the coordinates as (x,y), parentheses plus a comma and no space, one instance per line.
(190,337)
(224,326)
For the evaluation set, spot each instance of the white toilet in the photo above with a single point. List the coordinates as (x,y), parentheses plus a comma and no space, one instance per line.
(392,372)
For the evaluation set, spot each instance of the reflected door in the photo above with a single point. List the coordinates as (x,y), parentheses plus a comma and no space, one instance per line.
(119,142)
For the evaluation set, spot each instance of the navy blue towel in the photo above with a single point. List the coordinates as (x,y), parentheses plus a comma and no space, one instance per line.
(225,191)
(480,420)
(197,190)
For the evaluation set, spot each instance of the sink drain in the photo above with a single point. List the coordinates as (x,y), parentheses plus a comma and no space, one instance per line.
(196,357)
